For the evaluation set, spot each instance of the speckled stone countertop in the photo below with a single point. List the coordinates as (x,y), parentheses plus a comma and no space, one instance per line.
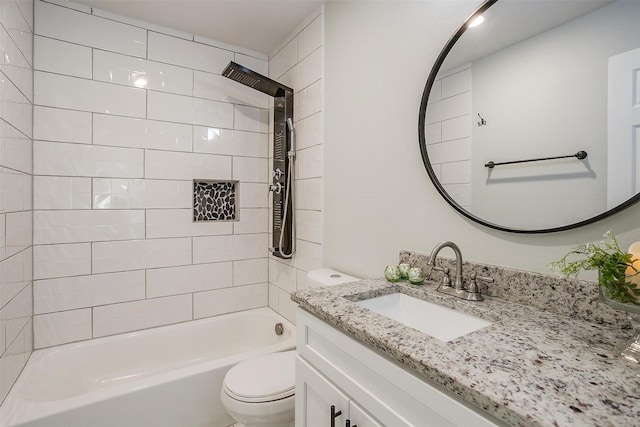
(528,368)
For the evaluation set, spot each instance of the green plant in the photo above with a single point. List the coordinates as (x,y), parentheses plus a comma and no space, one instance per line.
(613,265)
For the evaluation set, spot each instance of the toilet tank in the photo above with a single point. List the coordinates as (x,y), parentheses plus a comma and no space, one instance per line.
(328,277)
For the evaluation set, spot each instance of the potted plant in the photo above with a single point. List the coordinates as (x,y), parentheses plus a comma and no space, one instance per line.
(618,271)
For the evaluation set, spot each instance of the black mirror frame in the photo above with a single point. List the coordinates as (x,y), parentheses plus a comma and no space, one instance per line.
(427,164)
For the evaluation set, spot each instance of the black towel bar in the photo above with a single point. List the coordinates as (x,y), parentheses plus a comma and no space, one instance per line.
(580,155)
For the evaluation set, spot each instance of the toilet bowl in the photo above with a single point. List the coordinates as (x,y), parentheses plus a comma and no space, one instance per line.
(260,392)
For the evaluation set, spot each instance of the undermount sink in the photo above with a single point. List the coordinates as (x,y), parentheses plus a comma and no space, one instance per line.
(439,322)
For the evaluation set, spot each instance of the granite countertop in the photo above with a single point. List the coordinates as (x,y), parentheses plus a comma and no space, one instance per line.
(528,368)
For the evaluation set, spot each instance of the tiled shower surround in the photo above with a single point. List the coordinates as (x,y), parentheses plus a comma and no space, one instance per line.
(16,97)
(126,116)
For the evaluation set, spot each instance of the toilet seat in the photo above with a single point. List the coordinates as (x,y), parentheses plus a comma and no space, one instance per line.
(276,372)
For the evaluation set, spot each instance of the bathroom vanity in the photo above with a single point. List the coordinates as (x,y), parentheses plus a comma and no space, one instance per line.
(527,368)
(363,387)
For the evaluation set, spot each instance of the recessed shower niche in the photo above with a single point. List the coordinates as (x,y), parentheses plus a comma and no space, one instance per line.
(215,200)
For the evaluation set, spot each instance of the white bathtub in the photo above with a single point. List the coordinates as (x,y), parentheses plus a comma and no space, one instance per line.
(164,377)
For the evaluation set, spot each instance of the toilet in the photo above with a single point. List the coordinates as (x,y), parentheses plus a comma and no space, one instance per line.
(260,392)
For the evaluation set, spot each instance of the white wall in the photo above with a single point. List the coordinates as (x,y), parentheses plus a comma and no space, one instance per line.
(378,197)
(298,63)
(126,115)
(16,98)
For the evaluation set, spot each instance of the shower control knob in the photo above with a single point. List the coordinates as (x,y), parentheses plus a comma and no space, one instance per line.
(276,188)
(277,174)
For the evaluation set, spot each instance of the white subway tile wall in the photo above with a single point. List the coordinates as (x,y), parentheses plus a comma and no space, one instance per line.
(227,300)
(56,158)
(62,58)
(141,133)
(126,116)
(189,278)
(54,124)
(61,192)
(135,72)
(298,64)
(16,212)
(85,29)
(116,135)
(183,166)
(65,260)
(73,93)
(448,132)
(147,313)
(68,293)
(16,107)
(114,193)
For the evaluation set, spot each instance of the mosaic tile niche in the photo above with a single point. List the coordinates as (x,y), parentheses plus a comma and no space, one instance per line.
(214,200)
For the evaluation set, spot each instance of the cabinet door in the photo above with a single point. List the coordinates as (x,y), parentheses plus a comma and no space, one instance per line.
(314,397)
(360,418)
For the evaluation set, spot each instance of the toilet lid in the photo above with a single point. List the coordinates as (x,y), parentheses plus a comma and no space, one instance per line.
(262,379)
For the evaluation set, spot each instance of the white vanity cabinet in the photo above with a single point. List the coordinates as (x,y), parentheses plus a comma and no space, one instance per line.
(361,418)
(318,401)
(365,387)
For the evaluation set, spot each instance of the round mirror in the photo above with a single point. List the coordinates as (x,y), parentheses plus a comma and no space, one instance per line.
(530,121)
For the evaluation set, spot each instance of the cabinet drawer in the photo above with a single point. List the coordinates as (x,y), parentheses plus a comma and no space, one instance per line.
(388,391)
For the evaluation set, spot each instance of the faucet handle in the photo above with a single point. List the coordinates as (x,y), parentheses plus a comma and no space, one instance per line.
(276,188)
(473,289)
(473,285)
(474,277)
(446,280)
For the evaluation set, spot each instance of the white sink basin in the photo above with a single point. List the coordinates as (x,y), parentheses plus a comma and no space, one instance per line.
(432,319)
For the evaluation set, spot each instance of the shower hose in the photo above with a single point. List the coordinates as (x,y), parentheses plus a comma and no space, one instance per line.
(289,194)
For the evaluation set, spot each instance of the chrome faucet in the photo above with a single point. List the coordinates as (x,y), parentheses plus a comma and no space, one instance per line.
(472,292)
(434,253)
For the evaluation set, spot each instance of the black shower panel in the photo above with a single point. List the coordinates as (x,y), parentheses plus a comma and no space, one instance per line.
(283,154)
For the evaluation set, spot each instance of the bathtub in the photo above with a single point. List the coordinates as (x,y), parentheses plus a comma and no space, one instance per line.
(169,376)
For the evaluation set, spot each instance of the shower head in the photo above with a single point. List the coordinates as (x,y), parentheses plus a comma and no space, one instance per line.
(256,81)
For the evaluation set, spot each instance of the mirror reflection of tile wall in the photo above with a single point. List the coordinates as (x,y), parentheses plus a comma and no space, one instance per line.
(448,132)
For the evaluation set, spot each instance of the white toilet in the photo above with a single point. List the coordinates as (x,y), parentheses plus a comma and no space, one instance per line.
(260,392)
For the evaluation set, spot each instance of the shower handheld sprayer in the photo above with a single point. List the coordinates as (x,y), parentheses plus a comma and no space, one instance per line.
(292,138)
(283,155)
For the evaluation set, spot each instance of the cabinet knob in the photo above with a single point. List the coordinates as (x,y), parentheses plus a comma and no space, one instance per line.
(334,415)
